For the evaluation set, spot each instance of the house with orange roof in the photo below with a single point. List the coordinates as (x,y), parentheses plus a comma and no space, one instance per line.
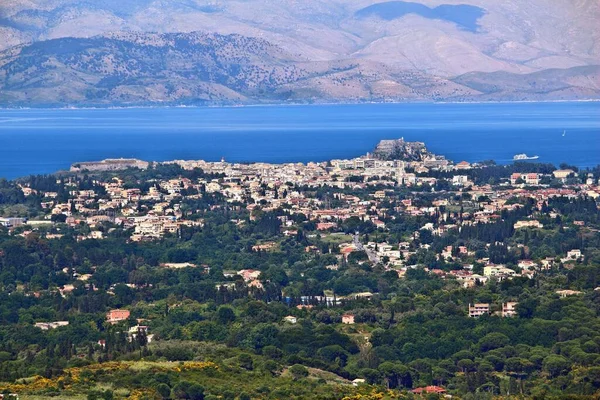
(114,316)
(429,389)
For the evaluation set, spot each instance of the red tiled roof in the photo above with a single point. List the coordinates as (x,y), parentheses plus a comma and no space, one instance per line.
(429,389)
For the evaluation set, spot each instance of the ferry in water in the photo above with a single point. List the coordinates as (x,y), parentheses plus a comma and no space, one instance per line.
(521,157)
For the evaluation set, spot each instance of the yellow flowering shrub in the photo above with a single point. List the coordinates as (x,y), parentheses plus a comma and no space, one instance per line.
(195,365)
(82,375)
(371,396)
(144,394)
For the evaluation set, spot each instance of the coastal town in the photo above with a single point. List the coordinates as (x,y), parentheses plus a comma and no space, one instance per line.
(400,211)
(363,189)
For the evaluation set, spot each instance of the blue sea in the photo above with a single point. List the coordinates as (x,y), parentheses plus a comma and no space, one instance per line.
(39,141)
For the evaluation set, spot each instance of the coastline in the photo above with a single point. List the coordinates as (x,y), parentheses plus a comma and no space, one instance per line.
(297,133)
(316,104)
(70,171)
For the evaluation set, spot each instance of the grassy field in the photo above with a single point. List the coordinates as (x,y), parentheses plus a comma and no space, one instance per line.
(337,238)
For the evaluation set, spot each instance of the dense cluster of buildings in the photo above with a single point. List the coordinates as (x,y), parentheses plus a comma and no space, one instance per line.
(365,188)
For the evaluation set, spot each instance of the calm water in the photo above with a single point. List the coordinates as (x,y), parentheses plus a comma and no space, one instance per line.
(44,141)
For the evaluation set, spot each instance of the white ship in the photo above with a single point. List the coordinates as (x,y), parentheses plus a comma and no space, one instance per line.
(520,157)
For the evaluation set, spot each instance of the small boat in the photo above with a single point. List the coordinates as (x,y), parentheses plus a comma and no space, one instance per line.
(521,157)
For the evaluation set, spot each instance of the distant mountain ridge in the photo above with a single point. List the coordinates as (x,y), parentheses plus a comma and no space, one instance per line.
(207,68)
(75,52)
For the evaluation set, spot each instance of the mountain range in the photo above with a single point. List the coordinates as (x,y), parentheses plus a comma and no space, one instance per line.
(138,52)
